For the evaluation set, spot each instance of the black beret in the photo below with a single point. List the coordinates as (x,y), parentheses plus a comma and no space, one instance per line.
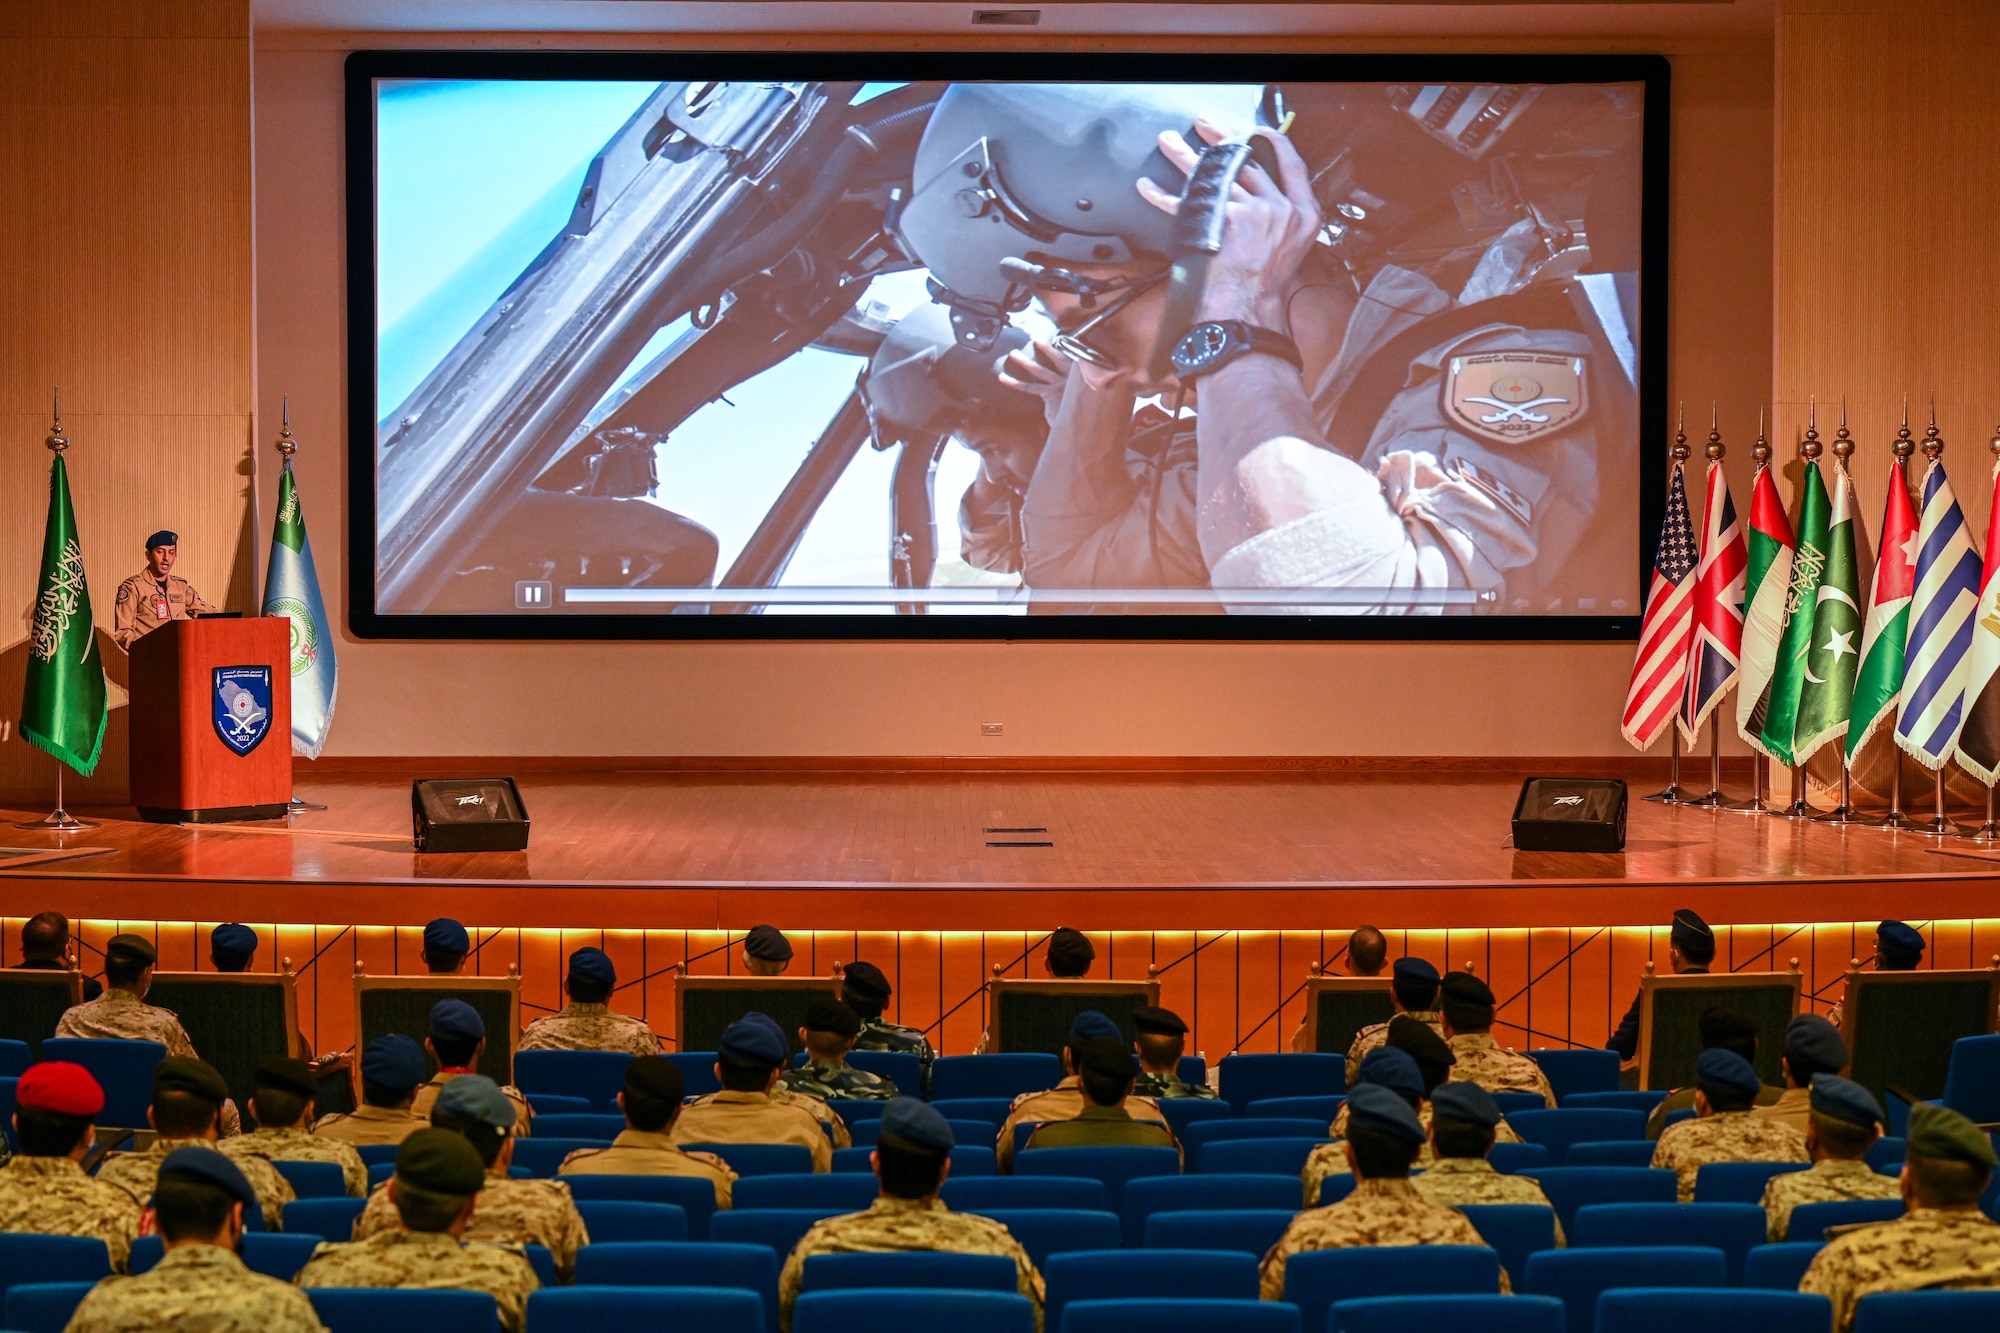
(1725,1070)
(1467,1102)
(210,1168)
(1387,1067)
(1373,1107)
(832,1016)
(754,1039)
(285,1074)
(865,980)
(1718,1025)
(1898,945)
(455,1020)
(1816,1041)
(1691,935)
(1152,1018)
(184,1073)
(1071,947)
(1465,988)
(917,1123)
(442,1162)
(130,951)
(767,944)
(1107,1056)
(1092,1025)
(446,936)
(657,1077)
(1421,1040)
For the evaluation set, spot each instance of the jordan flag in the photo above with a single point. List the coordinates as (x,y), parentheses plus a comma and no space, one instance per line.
(1788,672)
(1827,696)
(1660,667)
(1718,608)
(1879,679)
(1932,706)
(1979,741)
(1765,580)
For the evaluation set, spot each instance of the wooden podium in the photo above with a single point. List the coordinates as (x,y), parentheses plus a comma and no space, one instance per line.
(211,721)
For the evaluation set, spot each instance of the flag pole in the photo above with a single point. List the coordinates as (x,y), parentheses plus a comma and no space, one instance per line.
(1989,829)
(1844,813)
(58,820)
(1760,763)
(1809,449)
(1714,451)
(1675,794)
(1896,819)
(1939,824)
(288,445)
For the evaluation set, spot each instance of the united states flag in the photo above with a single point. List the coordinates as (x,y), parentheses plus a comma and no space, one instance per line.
(1660,669)
(1718,608)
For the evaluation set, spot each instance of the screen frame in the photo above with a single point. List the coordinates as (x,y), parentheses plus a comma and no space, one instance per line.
(364,67)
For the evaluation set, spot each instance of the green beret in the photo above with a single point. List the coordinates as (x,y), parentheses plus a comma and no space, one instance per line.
(184,1073)
(442,1162)
(128,950)
(1939,1131)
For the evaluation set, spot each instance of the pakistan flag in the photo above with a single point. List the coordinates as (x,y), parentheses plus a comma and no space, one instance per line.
(1788,677)
(63,709)
(1826,696)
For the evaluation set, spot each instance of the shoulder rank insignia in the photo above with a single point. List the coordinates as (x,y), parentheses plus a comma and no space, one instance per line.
(1513,397)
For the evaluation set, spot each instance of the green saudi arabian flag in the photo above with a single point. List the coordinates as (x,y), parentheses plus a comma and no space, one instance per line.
(63,709)
(1826,698)
(1788,677)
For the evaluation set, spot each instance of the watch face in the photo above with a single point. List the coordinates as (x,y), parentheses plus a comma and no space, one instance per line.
(1202,345)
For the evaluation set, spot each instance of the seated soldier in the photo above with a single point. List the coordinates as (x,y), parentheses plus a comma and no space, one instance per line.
(446,946)
(43,1188)
(46,946)
(1725,1128)
(198,1201)
(457,1040)
(1463,1121)
(1161,1039)
(1943,1241)
(509,1211)
(1366,954)
(766,952)
(1690,949)
(1717,1029)
(231,947)
(121,1012)
(1812,1047)
(1468,1006)
(1413,990)
(1839,1132)
(1105,1072)
(1065,1100)
(828,1035)
(866,991)
(282,1106)
(1384,1209)
(391,1069)
(911,1159)
(651,1101)
(187,1113)
(1070,954)
(586,1023)
(749,1057)
(435,1193)
(1899,947)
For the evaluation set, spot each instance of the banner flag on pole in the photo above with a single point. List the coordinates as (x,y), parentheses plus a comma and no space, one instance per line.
(1766,579)
(1718,608)
(1979,739)
(1932,705)
(291,589)
(64,707)
(1879,679)
(1788,674)
(1826,698)
(1660,667)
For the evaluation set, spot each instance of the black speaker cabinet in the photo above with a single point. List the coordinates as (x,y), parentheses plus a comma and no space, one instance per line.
(468,815)
(1570,815)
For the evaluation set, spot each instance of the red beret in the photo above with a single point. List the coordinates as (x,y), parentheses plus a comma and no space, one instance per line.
(59,1086)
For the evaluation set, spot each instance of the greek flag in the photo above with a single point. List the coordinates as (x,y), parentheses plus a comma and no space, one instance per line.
(291,589)
(1941,611)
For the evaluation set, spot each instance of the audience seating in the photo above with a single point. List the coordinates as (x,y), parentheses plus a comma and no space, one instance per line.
(1732,1228)
(996,1075)
(1113,1166)
(901,1068)
(1105,1275)
(1046,1231)
(375,1154)
(51,1258)
(1514,1230)
(15,1057)
(982,1193)
(1181,1112)
(1248,1078)
(1577,1071)
(691,1264)
(596,1076)
(1971,1082)
(854,1110)
(888,1307)
(1161,1194)
(993,1110)
(1332,1189)
(1810,1221)
(695,1196)
(1778,1267)
(542,1262)
(628,1220)
(778,1228)
(1323,1108)
(379,1173)
(395,1310)
(1610,1152)
(1204,1132)
(697,1073)
(597,1309)
(274,1254)
(1512,1158)
(1557,1129)
(1633,1100)
(1512,1103)
(1675,1310)
(7,1108)
(1572,1187)
(555,1103)
(1738,1182)
(967,1159)
(864,1133)
(751,1159)
(1488,1314)
(1926,1311)
(1256,1157)
(1246,1230)
(124,1069)
(1675,1118)
(43,1307)
(314,1180)
(1885,1151)
(601,1127)
(1315,1279)
(850,1193)
(934,1269)
(332,1219)
(1578,1277)
(1147,1315)
(541,1156)
(1193,1071)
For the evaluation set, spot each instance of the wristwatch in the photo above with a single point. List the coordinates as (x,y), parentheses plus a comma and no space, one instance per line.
(1211,346)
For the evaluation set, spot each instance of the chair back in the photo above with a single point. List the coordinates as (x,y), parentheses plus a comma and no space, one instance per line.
(1159,1194)
(1036,1013)
(8,1105)
(1256,1157)
(1972,1082)
(1246,1230)
(1670,1009)
(1738,1182)
(124,1069)
(911,1268)
(274,1254)
(29,1256)
(42,1307)
(912,1307)
(1572,1187)
(694,1195)
(32,1002)
(1488,1314)
(1885,1151)
(1513,1158)
(603,1128)
(1557,1129)
(630,1220)
(540,1155)
(383,1005)
(314,1180)
(395,1310)
(15,1057)
(1904,1029)
(850,1192)
(993,1110)
(1182,1112)
(1204,1132)
(1153,1315)
(1315,1279)
(332,1219)
(1610,1152)
(1624,1100)
(857,1110)
(974,1159)
(1732,1228)
(1337,1008)
(233,1018)
(984,1193)
(1048,1231)
(1248,1078)
(1514,1230)
(759,1159)
(1660,1310)
(1512,1102)
(595,1309)
(1578,1277)
(697,1071)
(1172,1275)
(901,1068)
(1193,1071)
(545,1104)
(1113,1166)
(1324,1107)
(779,1229)
(686,1264)
(375,1154)
(1570,1072)
(1809,1221)
(704,1007)
(957,1077)
(1779,1267)
(1926,1311)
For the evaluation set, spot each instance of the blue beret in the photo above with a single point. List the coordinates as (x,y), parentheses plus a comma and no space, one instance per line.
(455,1020)
(477,1098)
(163,538)
(1816,1041)
(210,1167)
(233,938)
(446,936)
(919,1123)
(1718,1068)
(1373,1107)
(767,944)
(593,965)
(1692,936)
(1414,969)
(394,1061)
(1467,1102)
(1844,1099)
(1897,942)
(1089,1024)
(754,1040)
(1388,1067)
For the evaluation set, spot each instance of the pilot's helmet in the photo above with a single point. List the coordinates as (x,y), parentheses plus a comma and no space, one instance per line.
(922,382)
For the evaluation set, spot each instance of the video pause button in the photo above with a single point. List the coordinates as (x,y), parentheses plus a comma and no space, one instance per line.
(534,595)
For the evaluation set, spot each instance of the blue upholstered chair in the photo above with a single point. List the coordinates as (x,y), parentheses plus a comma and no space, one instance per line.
(1163,1274)
(1578,1277)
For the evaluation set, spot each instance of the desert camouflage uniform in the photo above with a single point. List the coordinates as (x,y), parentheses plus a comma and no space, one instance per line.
(1493,1067)
(753,1117)
(195,1289)
(1826,1181)
(52,1197)
(1728,1136)
(1170,1086)
(892,1224)
(834,1127)
(589,1027)
(138,1172)
(296,1145)
(119,1015)
(1682,1099)
(509,1212)
(829,1079)
(428,1261)
(427,1096)
(1379,1212)
(1329,1160)
(1453,1181)
(1924,1249)
(1062,1102)
(369,1125)
(637,1153)
(1377,1035)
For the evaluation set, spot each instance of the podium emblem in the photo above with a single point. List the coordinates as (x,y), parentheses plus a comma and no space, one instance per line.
(242,706)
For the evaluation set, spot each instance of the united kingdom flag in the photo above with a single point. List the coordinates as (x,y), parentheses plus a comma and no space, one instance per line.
(1717,650)
(1659,671)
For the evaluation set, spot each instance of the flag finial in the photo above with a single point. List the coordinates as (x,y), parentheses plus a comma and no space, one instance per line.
(1714,449)
(287,443)
(1843,443)
(1933,442)
(57,441)
(1680,450)
(1904,446)
(1810,447)
(1760,452)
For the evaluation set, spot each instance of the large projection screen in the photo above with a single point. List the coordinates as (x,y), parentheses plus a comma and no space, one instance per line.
(878,345)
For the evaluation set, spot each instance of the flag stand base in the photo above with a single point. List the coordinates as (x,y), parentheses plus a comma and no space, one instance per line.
(296,806)
(58,820)
(1798,809)
(1759,775)
(1939,824)
(1675,794)
(1714,800)
(1990,830)
(1844,813)
(1897,820)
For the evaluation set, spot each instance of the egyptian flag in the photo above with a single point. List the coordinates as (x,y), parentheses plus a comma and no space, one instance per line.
(1718,608)
(1886,632)
(1767,577)
(1659,669)
(1979,741)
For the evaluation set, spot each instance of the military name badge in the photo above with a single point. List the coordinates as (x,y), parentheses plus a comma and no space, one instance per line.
(242,706)
(1513,397)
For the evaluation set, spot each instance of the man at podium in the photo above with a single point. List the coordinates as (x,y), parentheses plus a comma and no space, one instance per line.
(155,595)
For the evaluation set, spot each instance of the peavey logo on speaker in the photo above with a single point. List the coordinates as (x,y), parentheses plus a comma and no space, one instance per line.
(242,706)
(1569,800)
(472,800)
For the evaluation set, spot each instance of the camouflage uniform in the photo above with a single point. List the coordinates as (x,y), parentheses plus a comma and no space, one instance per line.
(138,1172)
(1379,1212)
(1169,1085)
(1377,1035)
(753,1117)
(892,1224)
(1925,1249)
(830,1079)
(134,612)
(1493,1067)
(428,1260)
(509,1212)
(589,1027)
(120,1015)
(52,1197)
(369,1125)
(1728,1136)
(832,1125)
(877,1035)
(296,1145)
(427,1096)
(1062,1102)
(1454,1181)
(1102,1127)
(195,1289)
(1827,1181)
(637,1153)
(1682,1099)
(1329,1160)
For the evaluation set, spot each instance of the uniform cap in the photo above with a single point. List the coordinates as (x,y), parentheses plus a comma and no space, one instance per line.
(1420,1041)
(285,1074)
(184,1073)
(455,1020)
(1691,935)
(593,965)
(1726,1070)
(1465,988)
(211,1168)
(1151,1018)
(1070,949)
(163,538)
(233,938)
(754,1040)
(440,1161)
(477,1098)
(446,936)
(1939,1131)
(1373,1107)
(1108,1057)
(917,1123)
(1844,1099)
(61,1087)
(1387,1067)
(393,1062)
(1813,1040)
(767,944)
(866,981)
(1467,1102)
(1414,969)
(1088,1025)
(1898,944)
(832,1016)
(130,951)
(657,1077)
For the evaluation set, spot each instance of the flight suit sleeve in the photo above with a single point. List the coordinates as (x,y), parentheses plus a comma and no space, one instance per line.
(1137,532)
(125,629)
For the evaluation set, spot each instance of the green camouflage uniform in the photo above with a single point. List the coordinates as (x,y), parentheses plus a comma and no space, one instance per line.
(831,1080)
(296,1145)
(892,1224)
(1170,1086)
(509,1212)
(877,1035)
(1826,1181)
(52,1197)
(195,1289)
(1728,1136)
(1926,1248)
(1379,1212)
(428,1260)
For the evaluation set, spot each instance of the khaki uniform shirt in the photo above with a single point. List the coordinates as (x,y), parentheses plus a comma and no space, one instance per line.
(366,1125)
(1102,1127)
(195,1289)
(1925,1248)
(138,1172)
(1728,1136)
(1454,1181)
(428,1261)
(1171,1087)
(1062,1102)
(1682,1099)
(892,1224)
(831,1124)
(1493,1067)
(1330,1159)
(296,1145)
(589,1027)
(427,1096)
(753,1117)
(120,1015)
(1793,1107)
(637,1153)
(1379,1212)
(828,1079)
(136,612)
(51,1196)
(1376,1035)
(1827,1181)
(508,1212)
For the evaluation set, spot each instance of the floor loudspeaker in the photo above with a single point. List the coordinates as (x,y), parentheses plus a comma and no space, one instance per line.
(468,815)
(1570,815)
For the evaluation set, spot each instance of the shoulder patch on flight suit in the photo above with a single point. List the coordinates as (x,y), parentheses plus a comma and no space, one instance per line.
(1493,488)
(1514,396)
